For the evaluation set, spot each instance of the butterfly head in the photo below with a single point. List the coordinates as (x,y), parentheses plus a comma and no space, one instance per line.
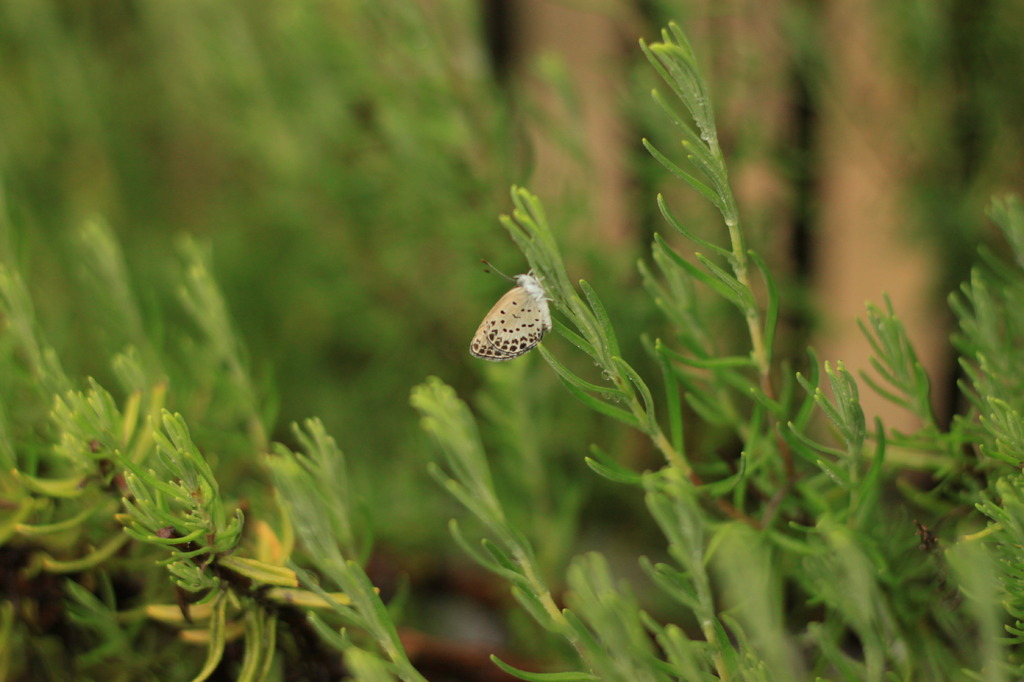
(532,286)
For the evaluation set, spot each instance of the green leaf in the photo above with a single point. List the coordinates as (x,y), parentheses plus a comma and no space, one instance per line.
(845,412)
(717,489)
(488,563)
(1005,425)
(812,446)
(152,538)
(368,667)
(91,560)
(535,609)
(676,64)
(663,207)
(803,414)
(260,636)
(574,338)
(869,489)
(570,381)
(604,408)
(723,290)
(672,582)
(738,294)
(836,473)
(773,406)
(334,638)
(607,330)
(722,643)
(641,386)
(684,656)
(72,486)
(504,560)
(697,151)
(688,74)
(603,465)
(215,649)
(674,406)
(480,501)
(260,572)
(675,170)
(729,361)
(880,390)
(544,677)
(567,376)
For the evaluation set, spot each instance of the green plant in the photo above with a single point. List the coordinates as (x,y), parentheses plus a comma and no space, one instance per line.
(803,556)
(147,532)
(68,469)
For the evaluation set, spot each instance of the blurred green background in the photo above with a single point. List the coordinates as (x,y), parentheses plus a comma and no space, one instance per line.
(346,163)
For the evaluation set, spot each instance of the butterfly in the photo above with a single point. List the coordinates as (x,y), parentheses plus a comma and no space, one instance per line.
(516,323)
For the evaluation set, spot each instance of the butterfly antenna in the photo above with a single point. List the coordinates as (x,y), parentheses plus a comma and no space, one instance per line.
(491,266)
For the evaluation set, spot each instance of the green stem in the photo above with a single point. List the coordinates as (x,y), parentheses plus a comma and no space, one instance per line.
(543,594)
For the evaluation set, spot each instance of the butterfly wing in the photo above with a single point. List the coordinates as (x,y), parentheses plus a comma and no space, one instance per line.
(516,323)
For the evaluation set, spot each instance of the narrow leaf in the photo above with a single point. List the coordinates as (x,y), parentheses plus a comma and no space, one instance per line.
(566,375)
(674,406)
(543,677)
(741,295)
(260,572)
(695,272)
(663,207)
(617,473)
(645,392)
(675,170)
(574,338)
(604,408)
(607,330)
(215,649)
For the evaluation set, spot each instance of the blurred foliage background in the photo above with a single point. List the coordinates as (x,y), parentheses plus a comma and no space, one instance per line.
(345,163)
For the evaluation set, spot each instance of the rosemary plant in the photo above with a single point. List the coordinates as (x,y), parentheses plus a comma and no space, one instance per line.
(231,580)
(809,555)
(135,549)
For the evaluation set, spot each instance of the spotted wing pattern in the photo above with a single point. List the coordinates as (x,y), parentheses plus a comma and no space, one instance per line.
(516,323)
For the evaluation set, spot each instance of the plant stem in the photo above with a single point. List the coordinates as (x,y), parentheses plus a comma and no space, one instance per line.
(543,594)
